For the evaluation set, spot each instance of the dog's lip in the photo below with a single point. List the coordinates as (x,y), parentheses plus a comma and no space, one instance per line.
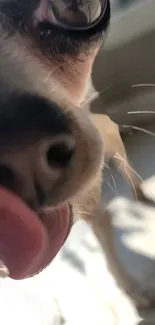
(29,242)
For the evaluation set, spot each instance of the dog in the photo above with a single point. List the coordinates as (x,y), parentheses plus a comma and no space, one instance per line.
(52,150)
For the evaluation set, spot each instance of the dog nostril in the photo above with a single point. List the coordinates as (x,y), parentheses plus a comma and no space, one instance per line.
(59,154)
(6,177)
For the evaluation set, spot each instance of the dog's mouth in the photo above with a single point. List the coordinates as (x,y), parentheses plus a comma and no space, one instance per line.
(30,240)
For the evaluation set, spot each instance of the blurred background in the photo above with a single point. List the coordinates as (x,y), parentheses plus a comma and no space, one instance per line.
(118,5)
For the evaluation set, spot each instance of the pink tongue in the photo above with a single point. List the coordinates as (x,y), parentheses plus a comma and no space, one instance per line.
(25,244)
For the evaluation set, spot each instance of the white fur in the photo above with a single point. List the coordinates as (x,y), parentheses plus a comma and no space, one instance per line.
(63,292)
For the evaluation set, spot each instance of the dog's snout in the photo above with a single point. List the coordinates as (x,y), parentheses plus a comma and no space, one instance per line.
(47,150)
(37,144)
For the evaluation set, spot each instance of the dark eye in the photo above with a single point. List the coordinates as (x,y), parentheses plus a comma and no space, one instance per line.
(75,14)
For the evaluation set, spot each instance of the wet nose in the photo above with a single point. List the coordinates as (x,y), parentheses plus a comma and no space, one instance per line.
(36,170)
(40,144)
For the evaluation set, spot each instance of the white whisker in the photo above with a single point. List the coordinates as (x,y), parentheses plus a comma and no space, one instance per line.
(114,182)
(143,85)
(132,184)
(50,74)
(113,190)
(139,129)
(94,96)
(107,166)
(118,156)
(125,165)
(140,112)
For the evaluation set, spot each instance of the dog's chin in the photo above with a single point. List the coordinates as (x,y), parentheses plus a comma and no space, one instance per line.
(30,240)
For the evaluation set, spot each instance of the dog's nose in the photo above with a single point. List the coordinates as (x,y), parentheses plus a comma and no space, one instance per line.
(36,170)
(38,146)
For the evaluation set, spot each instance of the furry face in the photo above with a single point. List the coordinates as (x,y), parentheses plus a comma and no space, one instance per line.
(50,152)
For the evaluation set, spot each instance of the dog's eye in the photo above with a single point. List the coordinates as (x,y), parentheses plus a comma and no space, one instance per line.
(74,14)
